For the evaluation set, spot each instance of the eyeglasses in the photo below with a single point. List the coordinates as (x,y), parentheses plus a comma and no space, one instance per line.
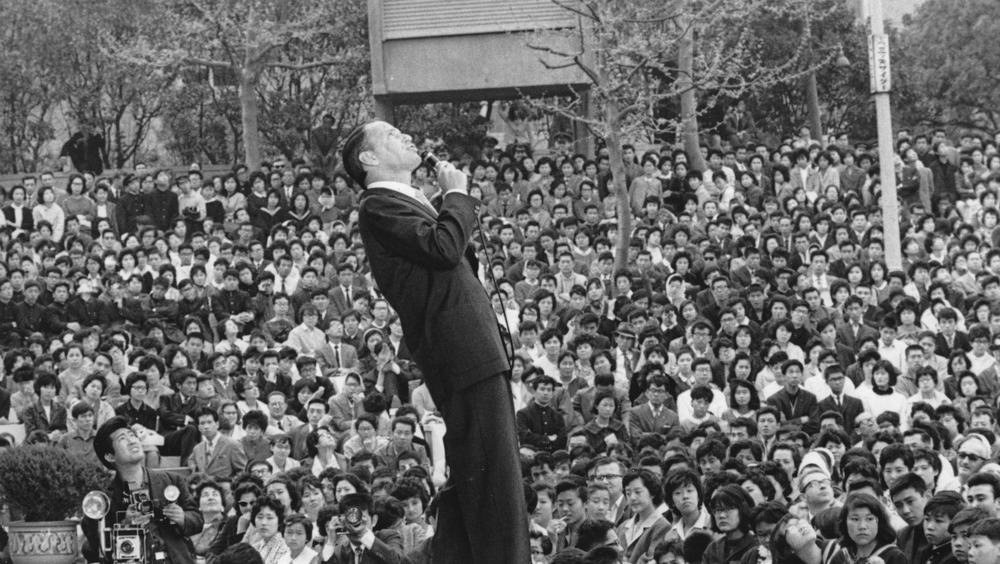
(245,503)
(821,483)
(606,477)
(970,456)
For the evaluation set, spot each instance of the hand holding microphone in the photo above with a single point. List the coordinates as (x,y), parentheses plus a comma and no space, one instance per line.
(450,178)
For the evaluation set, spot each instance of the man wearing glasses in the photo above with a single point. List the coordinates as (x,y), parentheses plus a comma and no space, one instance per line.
(817,494)
(609,471)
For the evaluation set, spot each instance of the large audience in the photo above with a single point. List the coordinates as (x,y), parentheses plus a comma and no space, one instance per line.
(751,382)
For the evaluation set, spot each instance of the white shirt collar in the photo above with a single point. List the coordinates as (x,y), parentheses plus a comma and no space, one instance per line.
(404,189)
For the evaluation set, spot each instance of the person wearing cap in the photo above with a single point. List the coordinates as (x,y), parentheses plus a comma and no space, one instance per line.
(84,309)
(119,449)
(817,492)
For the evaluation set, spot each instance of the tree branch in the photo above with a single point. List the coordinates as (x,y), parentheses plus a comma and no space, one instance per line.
(211,63)
(304,66)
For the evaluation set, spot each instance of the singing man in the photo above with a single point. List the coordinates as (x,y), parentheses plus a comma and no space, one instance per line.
(426,268)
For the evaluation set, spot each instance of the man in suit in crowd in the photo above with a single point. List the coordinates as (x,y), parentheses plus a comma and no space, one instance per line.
(797,406)
(950,339)
(216,455)
(848,406)
(422,261)
(652,416)
(119,449)
(341,295)
(335,357)
(853,330)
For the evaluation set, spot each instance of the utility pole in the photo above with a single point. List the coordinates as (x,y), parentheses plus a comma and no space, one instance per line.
(881,86)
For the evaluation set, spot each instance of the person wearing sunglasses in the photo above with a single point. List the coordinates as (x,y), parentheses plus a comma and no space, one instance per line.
(231,532)
(972,455)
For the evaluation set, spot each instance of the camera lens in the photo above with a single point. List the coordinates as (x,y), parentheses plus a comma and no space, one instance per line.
(128,547)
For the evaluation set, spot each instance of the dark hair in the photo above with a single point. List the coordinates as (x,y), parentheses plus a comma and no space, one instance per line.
(886,534)
(354,145)
(240,553)
(732,496)
(592,532)
(272,504)
(680,478)
(102,440)
(908,481)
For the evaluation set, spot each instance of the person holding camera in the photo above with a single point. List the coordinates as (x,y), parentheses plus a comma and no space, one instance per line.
(154,505)
(364,546)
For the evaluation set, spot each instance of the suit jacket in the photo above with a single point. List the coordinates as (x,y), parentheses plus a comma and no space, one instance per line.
(179,549)
(642,422)
(961,343)
(327,358)
(386,549)
(339,300)
(442,301)
(226,459)
(34,418)
(845,335)
(342,413)
(283,199)
(804,406)
(851,408)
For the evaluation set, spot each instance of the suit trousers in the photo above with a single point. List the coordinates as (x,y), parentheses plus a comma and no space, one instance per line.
(483,518)
(181,443)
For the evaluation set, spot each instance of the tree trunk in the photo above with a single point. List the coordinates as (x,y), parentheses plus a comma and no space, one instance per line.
(812,103)
(689,104)
(613,139)
(249,111)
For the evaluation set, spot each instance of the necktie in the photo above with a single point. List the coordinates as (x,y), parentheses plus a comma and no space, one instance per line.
(281,286)
(839,402)
(358,554)
(336,353)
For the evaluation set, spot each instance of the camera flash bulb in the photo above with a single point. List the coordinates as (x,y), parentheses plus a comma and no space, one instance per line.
(171,493)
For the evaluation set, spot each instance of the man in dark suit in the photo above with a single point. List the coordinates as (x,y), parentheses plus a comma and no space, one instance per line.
(422,262)
(848,406)
(341,295)
(216,455)
(853,330)
(119,449)
(797,406)
(652,417)
(949,339)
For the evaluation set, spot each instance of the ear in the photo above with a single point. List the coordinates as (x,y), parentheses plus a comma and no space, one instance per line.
(368,158)
(374,518)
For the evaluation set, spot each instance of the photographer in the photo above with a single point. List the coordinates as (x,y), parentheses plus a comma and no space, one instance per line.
(357,520)
(137,498)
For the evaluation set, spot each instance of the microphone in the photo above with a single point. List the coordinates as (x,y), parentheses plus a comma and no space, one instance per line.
(431,159)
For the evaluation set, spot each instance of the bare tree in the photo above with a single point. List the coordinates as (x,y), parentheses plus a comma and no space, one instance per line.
(247,39)
(638,55)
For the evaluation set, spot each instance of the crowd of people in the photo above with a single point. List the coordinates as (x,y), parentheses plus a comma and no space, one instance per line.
(751,382)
